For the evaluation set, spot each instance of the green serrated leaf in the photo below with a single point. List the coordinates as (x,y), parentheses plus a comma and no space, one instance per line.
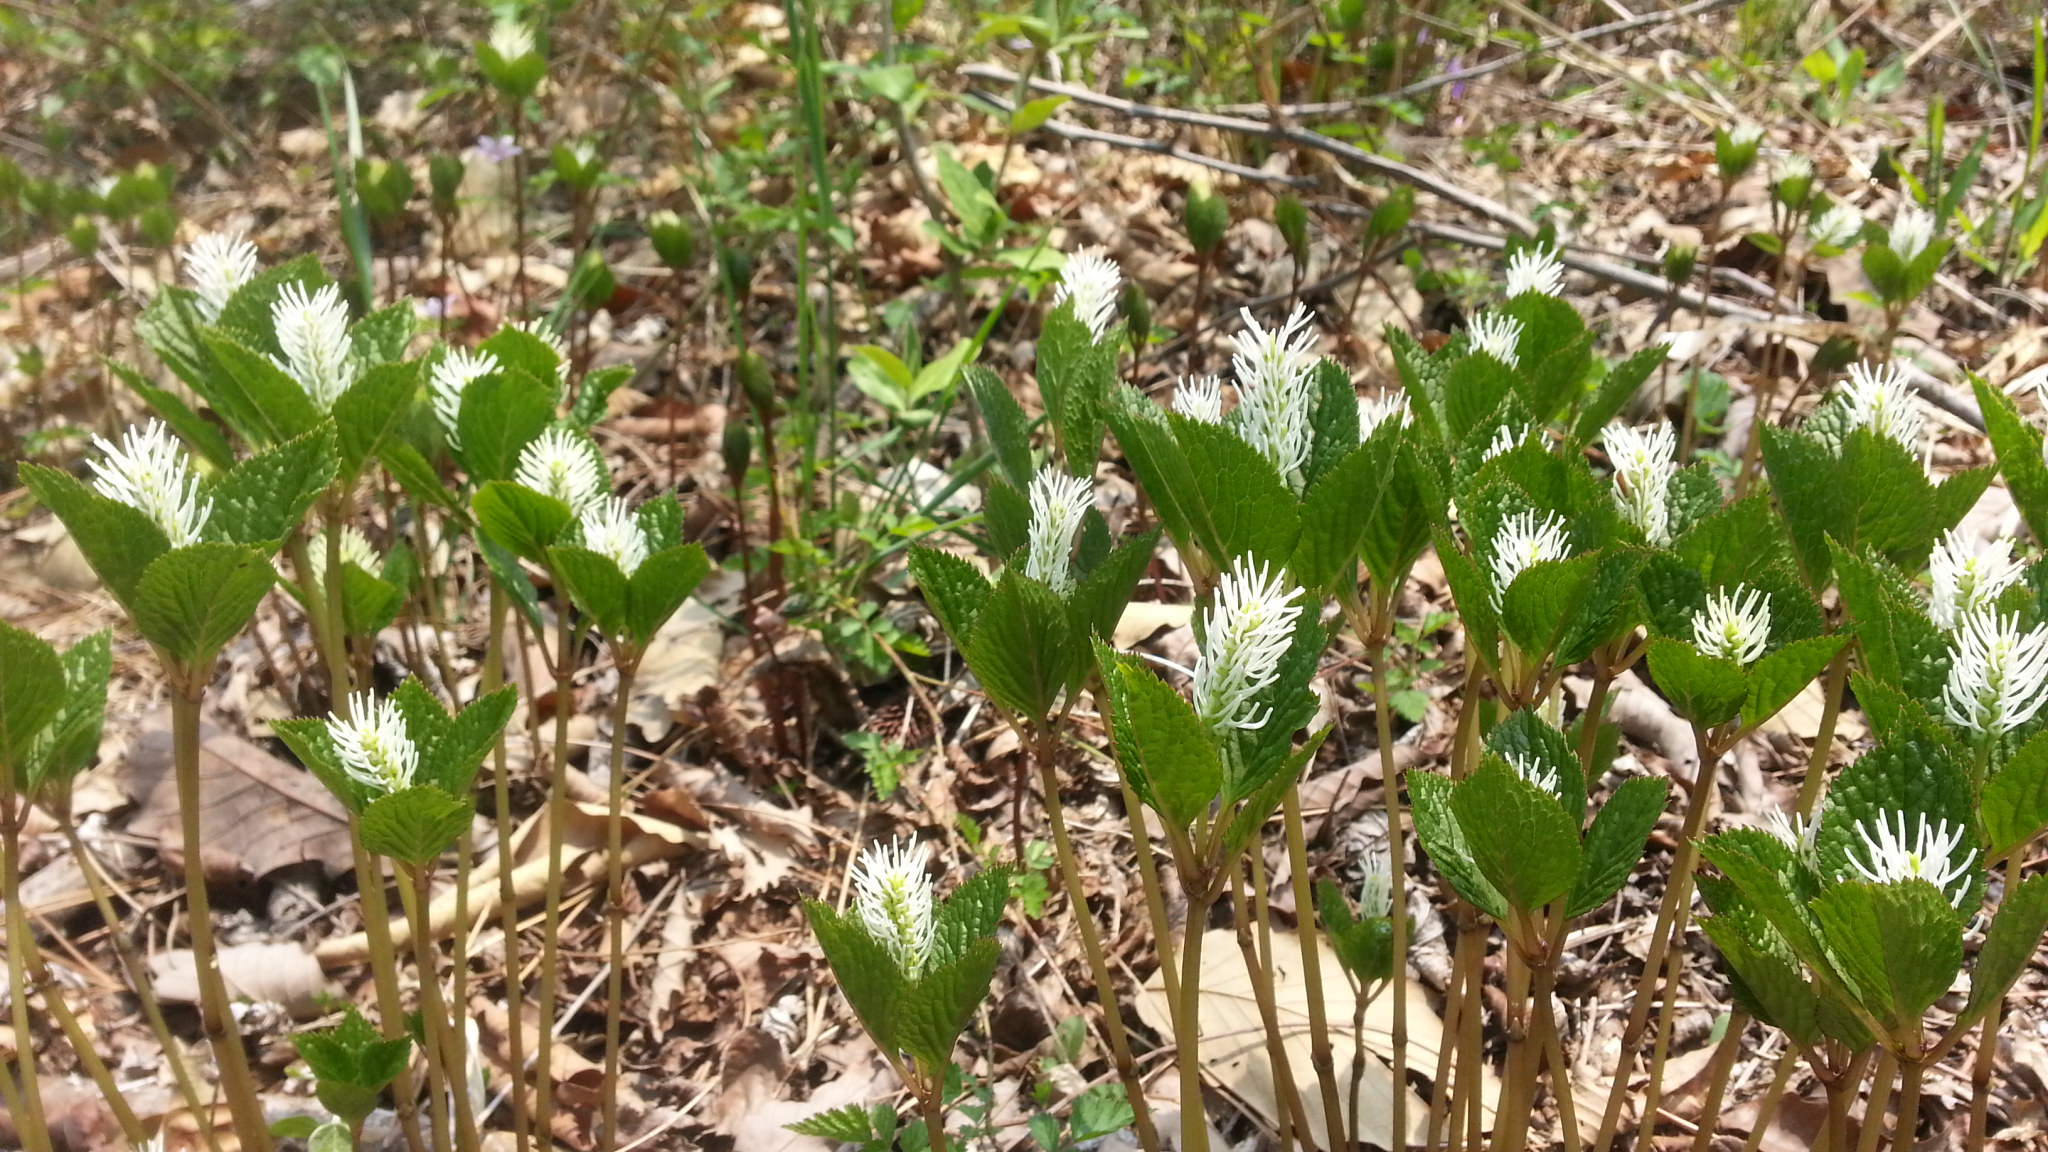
(1521,839)
(595,583)
(118,541)
(1336,509)
(192,600)
(270,405)
(371,411)
(501,414)
(659,586)
(264,499)
(193,429)
(1614,843)
(1004,420)
(414,825)
(971,913)
(1023,649)
(2009,946)
(953,587)
(1100,598)
(867,974)
(1783,674)
(2015,801)
(1706,690)
(1175,753)
(31,693)
(1901,945)
(1240,505)
(938,1005)
(380,338)
(1437,826)
(520,520)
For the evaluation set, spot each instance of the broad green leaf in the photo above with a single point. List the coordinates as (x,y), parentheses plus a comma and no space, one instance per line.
(1519,836)
(1022,649)
(973,912)
(368,603)
(660,519)
(2009,945)
(1555,351)
(416,476)
(1735,544)
(954,589)
(1546,600)
(1474,387)
(171,326)
(1148,441)
(517,350)
(1363,946)
(1398,531)
(1006,512)
(202,435)
(509,577)
(1901,944)
(1781,675)
(501,414)
(1176,753)
(1033,113)
(1075,375)
(414,825)
(1242,507)
(263,499)
(2018,445)
(1437,826)
(1526,735)
(1772,987)
(117,540)
(371,411)
(380,338)
(313,743)
(1614,843)
(1609,609)
(595,583)
(1472,589)
(192,600)
(2015,802)
(1336,509)
(1912,777)
(937,1007)
(70,740)
(247,314)
(1706,690)
(1100,597)
(520,520)
(867,973)
(1008,428)
(1333,424)
(847,1124)
(1617,389)
(31,693)
(659,586)
(273,404)
(593,393)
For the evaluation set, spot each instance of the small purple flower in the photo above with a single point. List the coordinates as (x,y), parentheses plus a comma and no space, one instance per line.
(497,149)
(1422,35)
(1456,66)
(436,307)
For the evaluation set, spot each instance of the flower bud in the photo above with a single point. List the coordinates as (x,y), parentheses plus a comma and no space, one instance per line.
(444,177)
(672,239)
(593,281)
(1137,310)
(1735,151)
(736,270)
(1292,220)
(83,235)
(1679,262)
(158,225)
(384,187)
(738,448)
(1391,216)
(757,381)
(1206,218)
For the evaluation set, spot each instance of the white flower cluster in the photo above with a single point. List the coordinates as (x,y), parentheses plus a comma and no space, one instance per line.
(312,332)
(894,899)
(1793,831)
(1496,334)
(611,530)
(148,472)
(1276,389)
(1837,227)
(1927,853)
(455,372)
(511,39)
(1523,541)
(1535,270)
(1535,772)
(559,464)
(1967,578)
(1734,625)
(1245,633)
(1645,460)
(1996,673)
(217,264)
(1059,502)
(1199,398)
(1376,891)
(1911,232)
(1380,409)
(1878,398)
(373,744)
(1092,281)
(355,549)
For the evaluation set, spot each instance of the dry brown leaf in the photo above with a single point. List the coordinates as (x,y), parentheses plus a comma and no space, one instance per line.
(1234,1038)
(672,963)
(750,1106)
(283,974)
(1142,618)
(279,813)
(681,661)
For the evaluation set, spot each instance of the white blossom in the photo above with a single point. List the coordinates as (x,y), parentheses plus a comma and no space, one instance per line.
(511,39)
(356,549)
(1534,771)
(611,530)
(1276,389)
(217,264)
(1535,270)
(1199,398)
(893,896)
(1792,166)
(1927,853)
(148,471)
(1245,633)
(1967,578)
(1376,892)
(312,331)
(1497,335)
(1734,625)
(557,463)
(1878,398)
(1092,281)
(1743,135)
(373,745)
(1793,831)
(1522,541)
(1379,409)
(1059,502)
(1645,460)
(456,372)
(1996,673)
(1837,227)
(1912,230)
(1506,439)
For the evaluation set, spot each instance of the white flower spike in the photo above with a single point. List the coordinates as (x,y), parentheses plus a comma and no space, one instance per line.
(355,549)
(1746,134)
(1380,409)
(559,464)
(456,372)
(217,264)
(1734,625)
(1535,270)
(373,745)
(1092,281)
(1644,461)
(1879,399)
(1793,831)
(1199,398)
(1245,632)
(511,39)
(1996,673)
(1497,335)
(1276,389)
(893,895)
(1792,166)
(1059,502)
(1526,766)
(611,530)
(1376,892)
(1926,853)
(1968,577)
(1506,439)
(312,331)
(1522,541)
(541,331)
(148,472)
(1911,232)
(1837,227)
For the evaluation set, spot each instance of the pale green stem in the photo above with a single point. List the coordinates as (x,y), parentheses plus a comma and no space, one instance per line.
(628,660)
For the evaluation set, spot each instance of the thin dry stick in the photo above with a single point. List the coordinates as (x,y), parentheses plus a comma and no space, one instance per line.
(81,1041)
